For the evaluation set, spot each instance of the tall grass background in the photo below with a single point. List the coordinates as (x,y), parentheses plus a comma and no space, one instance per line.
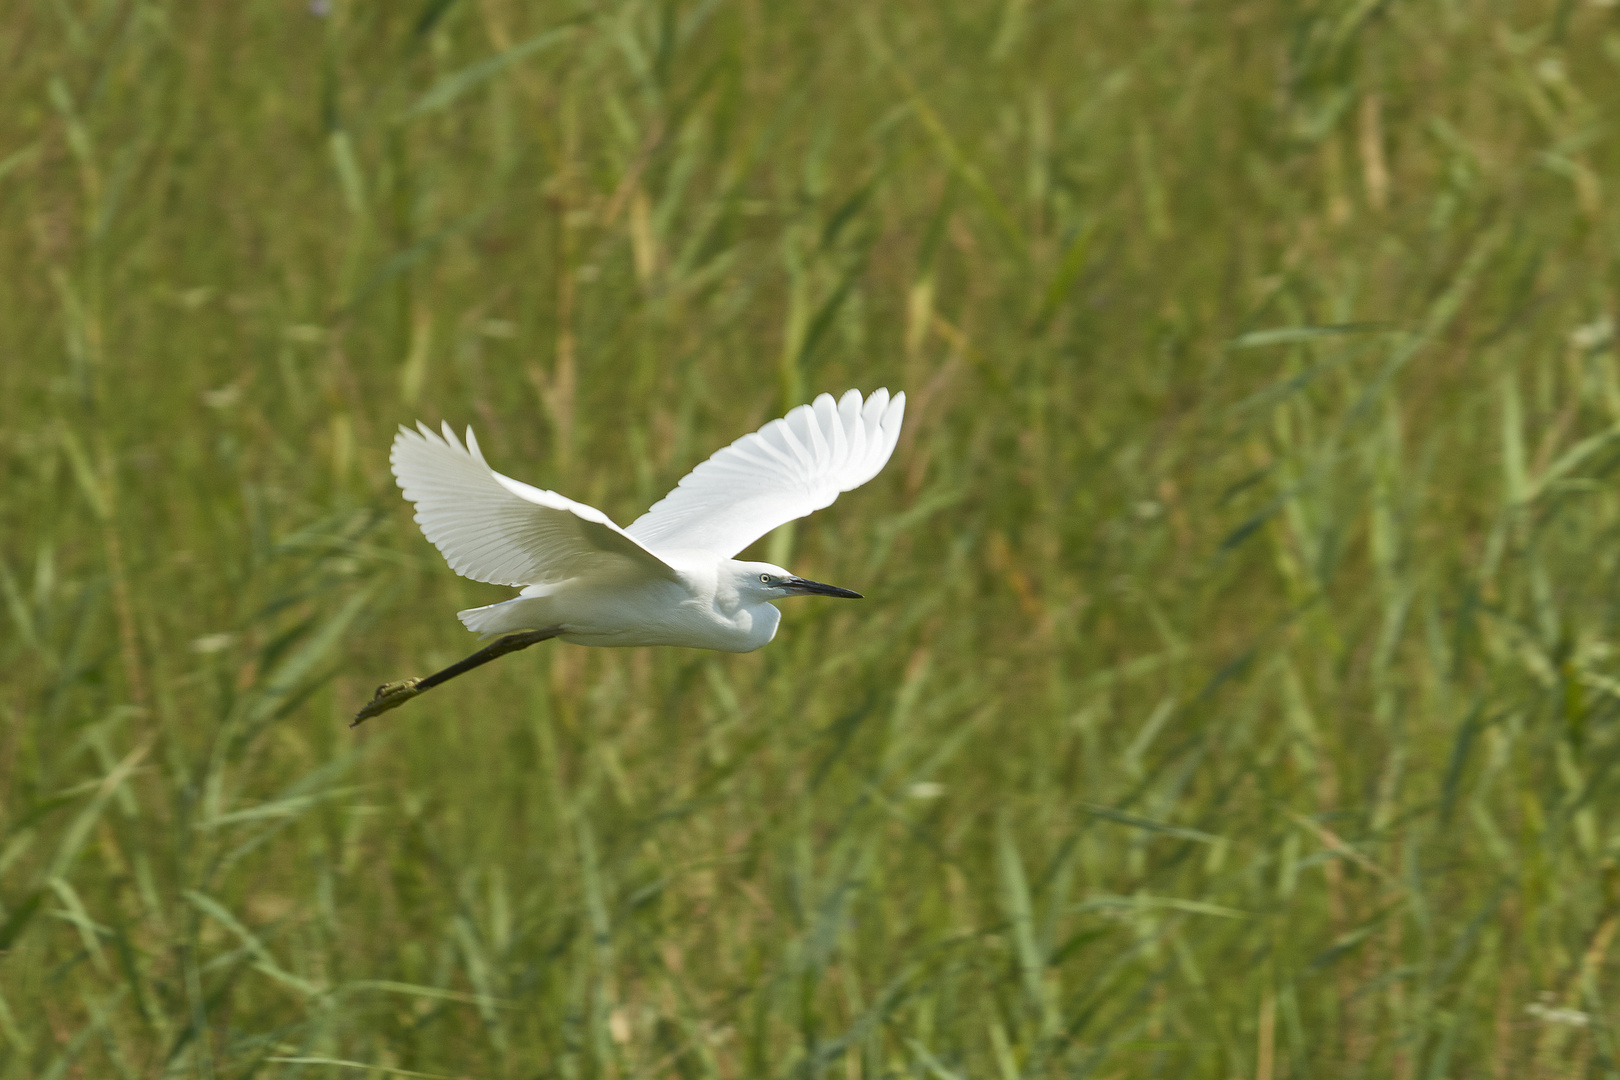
(1237,692)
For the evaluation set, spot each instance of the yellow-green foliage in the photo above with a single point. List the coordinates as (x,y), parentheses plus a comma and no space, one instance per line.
(1236,694)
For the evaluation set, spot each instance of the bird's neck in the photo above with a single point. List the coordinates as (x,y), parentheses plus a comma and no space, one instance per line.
(758,621)
(753,618)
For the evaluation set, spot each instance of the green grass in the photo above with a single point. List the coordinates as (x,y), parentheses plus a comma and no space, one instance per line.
(1238,688)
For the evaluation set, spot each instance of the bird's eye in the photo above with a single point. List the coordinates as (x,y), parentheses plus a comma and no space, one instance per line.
(766,578)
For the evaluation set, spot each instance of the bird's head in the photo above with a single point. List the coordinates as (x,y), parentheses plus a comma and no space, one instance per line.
(763,582)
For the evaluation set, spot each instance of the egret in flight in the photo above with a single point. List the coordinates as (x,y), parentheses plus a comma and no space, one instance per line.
(670,578)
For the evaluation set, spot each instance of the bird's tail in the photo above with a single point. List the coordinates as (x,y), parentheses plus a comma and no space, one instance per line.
(507,617)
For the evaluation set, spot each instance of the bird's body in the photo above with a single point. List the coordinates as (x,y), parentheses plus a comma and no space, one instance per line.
(671,578)
(699,605)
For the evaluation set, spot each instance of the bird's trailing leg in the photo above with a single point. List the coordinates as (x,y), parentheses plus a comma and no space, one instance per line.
(393,695)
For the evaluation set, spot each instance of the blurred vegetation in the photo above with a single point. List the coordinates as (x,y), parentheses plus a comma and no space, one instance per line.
(1237,694)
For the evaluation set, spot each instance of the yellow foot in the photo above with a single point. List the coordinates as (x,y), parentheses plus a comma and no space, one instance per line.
(388,696)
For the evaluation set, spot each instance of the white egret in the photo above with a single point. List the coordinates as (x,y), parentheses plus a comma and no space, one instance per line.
(670,578)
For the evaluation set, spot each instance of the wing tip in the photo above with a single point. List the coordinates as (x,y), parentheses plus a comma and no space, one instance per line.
(897,409)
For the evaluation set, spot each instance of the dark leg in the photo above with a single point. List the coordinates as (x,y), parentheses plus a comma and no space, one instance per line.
(393,695)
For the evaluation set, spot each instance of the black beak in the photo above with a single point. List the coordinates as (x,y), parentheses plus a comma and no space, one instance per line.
(801,587)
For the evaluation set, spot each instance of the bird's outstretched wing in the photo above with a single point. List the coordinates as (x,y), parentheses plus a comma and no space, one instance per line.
(787,469)
(492,528)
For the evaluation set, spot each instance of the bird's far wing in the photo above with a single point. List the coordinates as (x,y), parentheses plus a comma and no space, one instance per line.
(492,528)
(787,469)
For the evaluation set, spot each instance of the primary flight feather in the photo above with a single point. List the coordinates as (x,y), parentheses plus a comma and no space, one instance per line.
(670,578)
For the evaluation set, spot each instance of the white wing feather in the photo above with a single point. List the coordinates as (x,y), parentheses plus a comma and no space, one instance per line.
(492,528)
(787,469)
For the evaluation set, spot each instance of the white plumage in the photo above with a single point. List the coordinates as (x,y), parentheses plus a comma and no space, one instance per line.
(670,578)
(492,528)
(787,469)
